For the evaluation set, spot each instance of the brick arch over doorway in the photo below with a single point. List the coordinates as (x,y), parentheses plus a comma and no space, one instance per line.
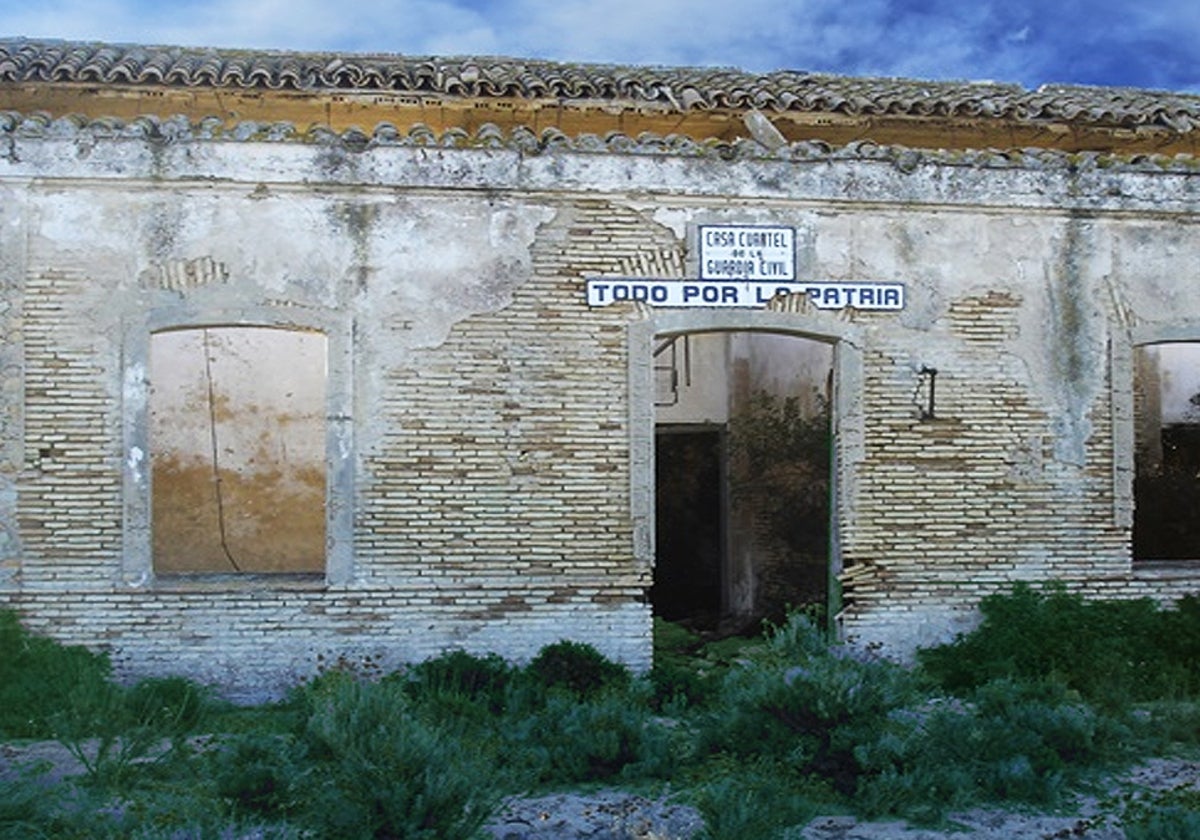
(846,410)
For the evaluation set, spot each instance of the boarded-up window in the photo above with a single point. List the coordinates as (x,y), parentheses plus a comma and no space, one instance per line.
(237,443)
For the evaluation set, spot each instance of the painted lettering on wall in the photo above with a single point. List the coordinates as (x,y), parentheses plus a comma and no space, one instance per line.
(602,291)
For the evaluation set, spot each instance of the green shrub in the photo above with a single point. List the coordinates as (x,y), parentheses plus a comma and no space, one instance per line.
(34,806)
(480,679)
(379,771)
(181,813)
(97,728)
(1168,823)
(1161,724)
(1024,742)
(687,670)
(262,774)
(873,733)
(172,706)
(1178,641)
(110,729)
(31,806)
(675,676)
(679,686)
(577,668)
(1172,814)
(799,702)
(566,740)
(1112,652)
(39,678)
(1050,723)
(759,800)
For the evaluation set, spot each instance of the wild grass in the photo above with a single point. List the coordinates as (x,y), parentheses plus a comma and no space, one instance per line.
(760,734)
(40,679)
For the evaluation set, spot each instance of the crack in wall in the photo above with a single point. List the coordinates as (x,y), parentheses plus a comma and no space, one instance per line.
(216,463)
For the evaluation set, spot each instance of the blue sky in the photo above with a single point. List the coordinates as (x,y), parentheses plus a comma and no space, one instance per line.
(1138,43)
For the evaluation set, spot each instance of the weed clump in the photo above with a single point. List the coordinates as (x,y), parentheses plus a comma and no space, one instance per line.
(114,731)
(577,668)
(761,798)
(688,670)
(378,770)
(40,679)
(1114,653)
(1164,815)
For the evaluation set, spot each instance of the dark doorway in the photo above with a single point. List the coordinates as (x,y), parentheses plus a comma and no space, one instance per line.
(742,483)
(689,525)
(1166,523)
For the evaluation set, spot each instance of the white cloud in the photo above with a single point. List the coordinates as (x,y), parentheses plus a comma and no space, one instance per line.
(667,32)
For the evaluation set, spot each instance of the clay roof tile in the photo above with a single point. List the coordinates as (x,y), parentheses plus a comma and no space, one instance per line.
(683,88)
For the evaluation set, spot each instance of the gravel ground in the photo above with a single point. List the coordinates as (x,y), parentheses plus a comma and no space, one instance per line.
(613,815)
(603,815)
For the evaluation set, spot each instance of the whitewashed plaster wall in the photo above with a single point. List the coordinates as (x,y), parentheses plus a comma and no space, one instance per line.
(1027,284)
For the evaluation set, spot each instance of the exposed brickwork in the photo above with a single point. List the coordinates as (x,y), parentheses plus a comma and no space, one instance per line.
(495,455)
(964,503)
(69,505)
(506,446)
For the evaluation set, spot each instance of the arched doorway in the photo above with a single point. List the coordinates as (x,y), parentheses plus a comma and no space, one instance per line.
(742,476)
(740,457)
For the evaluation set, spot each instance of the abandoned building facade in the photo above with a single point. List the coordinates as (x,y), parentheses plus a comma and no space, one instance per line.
(309,359)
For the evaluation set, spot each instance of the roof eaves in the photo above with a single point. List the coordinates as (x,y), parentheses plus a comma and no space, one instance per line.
(680,88)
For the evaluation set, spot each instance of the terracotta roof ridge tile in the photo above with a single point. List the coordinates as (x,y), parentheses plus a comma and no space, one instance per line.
(24,60)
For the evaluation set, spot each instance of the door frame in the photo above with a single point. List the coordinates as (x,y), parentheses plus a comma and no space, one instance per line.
(846,415)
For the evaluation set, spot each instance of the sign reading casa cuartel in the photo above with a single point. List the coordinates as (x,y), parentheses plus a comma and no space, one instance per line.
(739,252)
(744,266)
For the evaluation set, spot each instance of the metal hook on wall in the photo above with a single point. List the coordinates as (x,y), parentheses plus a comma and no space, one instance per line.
(929,378)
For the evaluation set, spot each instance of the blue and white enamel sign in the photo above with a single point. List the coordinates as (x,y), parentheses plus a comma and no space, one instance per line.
(602,291)
(739,252)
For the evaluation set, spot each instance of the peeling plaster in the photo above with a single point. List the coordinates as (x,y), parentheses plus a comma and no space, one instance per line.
(451,260)
(135,464)
(10,546)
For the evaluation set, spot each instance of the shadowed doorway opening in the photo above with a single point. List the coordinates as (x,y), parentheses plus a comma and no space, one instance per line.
(742,477)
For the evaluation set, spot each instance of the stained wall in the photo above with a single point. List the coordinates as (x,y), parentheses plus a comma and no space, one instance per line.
(486,483)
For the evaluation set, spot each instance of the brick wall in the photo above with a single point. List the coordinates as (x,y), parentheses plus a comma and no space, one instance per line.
(494,464)
(491,489)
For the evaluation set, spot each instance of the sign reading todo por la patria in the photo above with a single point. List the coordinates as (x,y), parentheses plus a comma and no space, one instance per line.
(602,291)
(744,266)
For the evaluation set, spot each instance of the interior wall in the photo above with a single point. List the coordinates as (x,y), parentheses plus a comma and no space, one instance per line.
(771,542)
